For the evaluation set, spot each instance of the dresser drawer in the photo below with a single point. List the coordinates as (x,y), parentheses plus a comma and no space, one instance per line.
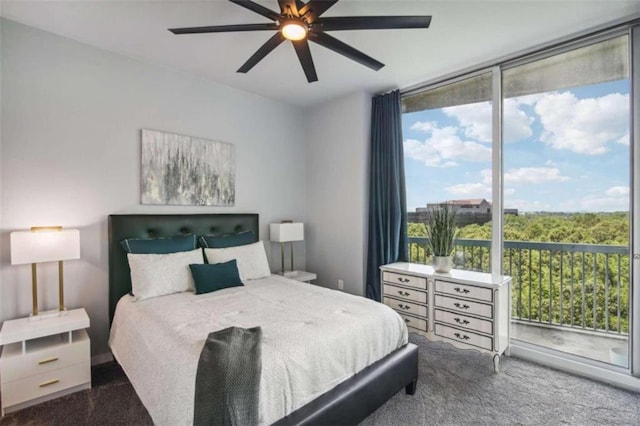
(466,337)
(476,324)
(406,307)
(408,280)
(404,293)
(470,291)
(14,365)
(44,384)
(464,306)
(413,322)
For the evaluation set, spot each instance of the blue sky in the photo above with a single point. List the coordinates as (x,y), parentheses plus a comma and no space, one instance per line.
(566,150)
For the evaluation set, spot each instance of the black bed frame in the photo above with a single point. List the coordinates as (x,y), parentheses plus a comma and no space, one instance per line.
(348,403)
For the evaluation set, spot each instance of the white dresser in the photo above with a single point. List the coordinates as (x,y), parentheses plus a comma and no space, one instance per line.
(470,310)
(44,358)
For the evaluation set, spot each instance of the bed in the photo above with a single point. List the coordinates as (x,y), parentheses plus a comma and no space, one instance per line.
(353,389)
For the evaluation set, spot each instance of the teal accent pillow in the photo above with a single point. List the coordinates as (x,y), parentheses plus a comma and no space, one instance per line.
(215,276)
(161,245)
(227,240)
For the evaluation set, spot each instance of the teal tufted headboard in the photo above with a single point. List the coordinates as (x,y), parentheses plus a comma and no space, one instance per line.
(123,226)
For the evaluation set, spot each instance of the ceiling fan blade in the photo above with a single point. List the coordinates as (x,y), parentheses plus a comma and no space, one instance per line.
(304,55)
(288,7)
(225,28)
(314,8)
(370,23)
(264,50)
(257,8)
(344,49)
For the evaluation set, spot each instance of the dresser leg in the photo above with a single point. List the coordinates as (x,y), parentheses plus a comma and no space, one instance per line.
(410,389)
(496,363)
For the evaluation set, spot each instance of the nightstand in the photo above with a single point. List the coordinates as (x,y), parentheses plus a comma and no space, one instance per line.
(305,277)
(44,358)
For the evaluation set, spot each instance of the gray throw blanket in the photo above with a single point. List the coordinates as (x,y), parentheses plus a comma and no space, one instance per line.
(228,378)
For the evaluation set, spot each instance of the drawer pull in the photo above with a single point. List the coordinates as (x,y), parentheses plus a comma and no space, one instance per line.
(404,293)
(48,360)
(50,382)
(403,280)
(407,321)
(461,290)
(459,306)
(405,307)
(459,321)
(461,336)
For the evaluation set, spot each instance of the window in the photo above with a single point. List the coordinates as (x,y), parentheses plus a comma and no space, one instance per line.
(447,146)
(565,220)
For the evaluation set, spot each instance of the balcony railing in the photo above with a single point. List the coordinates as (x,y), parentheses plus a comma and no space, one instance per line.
(581,286)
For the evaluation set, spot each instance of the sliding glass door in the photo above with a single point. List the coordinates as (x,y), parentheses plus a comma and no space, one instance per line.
(566,171)
(537,155)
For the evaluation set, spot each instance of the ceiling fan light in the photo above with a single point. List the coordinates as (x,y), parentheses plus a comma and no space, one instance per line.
(293,30)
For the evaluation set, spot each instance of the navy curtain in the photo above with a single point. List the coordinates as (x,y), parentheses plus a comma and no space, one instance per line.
(387,197)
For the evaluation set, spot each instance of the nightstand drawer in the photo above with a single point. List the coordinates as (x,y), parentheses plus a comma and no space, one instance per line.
(408,280)
(403,293)
(464,306)
(476,324)
(462,290)
(406,307)
(43,384)
(14,365)
(466,337)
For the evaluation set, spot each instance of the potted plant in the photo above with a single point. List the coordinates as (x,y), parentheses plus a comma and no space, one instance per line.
(441,234)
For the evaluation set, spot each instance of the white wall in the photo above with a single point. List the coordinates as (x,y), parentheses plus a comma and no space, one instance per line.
(71,124)
(1,245)
(337,191)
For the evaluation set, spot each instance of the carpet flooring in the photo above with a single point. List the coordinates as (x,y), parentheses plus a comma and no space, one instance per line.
(455,387)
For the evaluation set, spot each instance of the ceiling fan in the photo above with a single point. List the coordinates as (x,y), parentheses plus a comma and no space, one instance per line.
(301,22)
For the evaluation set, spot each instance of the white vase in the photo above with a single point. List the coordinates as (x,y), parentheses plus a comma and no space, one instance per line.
(442,263)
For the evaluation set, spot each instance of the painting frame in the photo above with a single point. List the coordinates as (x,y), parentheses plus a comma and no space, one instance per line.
(186,170)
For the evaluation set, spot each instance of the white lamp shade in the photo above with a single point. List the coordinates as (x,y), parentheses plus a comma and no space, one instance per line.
(44,246)
(285,232)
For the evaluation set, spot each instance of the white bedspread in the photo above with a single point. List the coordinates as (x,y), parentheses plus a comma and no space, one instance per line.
(313,339)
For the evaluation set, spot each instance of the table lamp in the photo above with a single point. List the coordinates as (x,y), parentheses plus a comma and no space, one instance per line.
(45,244)
(286,232)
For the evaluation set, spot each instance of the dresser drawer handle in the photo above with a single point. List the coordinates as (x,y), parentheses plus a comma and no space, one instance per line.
(404,293)
(50,382)
(405,307)
(459,306)
(407,321)
(461,290)
(459,321)
(461,336)
(403,280)
(48,360)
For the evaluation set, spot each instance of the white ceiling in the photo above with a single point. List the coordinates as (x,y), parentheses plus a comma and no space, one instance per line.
(462,34)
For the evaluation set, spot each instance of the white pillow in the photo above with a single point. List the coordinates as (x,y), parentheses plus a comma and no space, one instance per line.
(251,259)
(155,275)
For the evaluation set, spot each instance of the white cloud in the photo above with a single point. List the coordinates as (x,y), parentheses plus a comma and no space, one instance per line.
(605,204)
(533,175)
(444,148)
(526,175)
(475,120)
(425,126)
(624,140)
(584,126)
(472,190)
(617,191)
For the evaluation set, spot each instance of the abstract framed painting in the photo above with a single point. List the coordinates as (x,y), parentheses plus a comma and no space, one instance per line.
(185,170)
